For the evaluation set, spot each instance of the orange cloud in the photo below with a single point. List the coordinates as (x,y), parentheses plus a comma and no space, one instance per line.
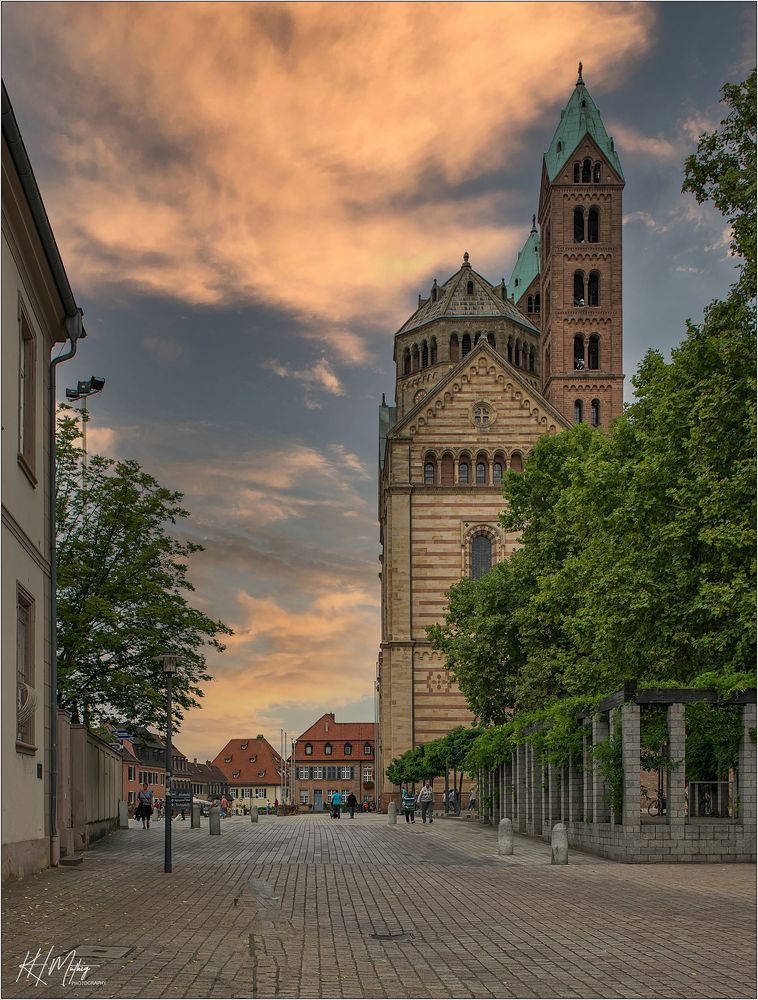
(303,155)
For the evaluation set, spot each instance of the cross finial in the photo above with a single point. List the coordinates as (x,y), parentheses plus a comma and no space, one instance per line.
(534,223)
(580,80)
(465,256)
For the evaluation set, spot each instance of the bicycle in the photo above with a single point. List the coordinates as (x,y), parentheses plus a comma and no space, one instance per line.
(657,806)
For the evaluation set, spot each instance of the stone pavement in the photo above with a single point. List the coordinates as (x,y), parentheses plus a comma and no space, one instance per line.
(312,907)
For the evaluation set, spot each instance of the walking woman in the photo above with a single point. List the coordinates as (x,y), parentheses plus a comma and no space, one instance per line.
(145,800)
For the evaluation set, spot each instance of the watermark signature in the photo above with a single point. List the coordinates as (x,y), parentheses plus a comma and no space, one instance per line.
(42,967)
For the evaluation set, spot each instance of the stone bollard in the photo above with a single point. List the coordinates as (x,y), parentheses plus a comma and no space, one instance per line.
(392,813)
(195,817)
(254,814)
(559,845)
(123,815)
(505,837)
(214,824)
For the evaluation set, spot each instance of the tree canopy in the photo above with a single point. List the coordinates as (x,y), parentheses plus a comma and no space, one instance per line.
(122,581)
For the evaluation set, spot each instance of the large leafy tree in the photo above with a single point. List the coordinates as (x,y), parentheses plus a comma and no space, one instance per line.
(638,547)
(122,586)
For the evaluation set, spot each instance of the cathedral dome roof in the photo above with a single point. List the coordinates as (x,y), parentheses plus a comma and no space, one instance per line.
(466,294)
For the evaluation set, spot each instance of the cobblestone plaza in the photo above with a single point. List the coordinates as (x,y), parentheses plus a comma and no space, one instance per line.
(311,907)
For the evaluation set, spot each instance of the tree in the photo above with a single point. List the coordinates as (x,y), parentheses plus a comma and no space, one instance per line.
(122,581)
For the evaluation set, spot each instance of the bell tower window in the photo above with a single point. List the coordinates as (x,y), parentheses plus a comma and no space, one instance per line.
(593,225)
(578,353)
(481,556)
(578,225)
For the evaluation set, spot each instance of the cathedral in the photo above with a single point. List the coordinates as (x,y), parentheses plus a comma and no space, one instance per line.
(482,370)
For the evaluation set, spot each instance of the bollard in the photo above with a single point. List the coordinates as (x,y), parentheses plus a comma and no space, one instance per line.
(195,817)
(254,814)
(392,813)
(505,837)
(214,824)
(123,815)
(559,845)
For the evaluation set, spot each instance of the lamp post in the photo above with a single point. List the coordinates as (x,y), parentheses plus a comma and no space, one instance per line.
(83,390)
(169,669)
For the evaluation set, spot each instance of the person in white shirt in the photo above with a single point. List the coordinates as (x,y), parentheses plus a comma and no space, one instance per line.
(426,801)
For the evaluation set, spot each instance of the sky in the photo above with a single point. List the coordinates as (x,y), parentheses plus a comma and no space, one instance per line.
(248,199)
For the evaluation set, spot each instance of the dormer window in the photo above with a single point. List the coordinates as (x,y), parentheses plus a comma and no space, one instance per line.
(243,746)
(235,774)
(348,749)
(227,760)
(308,749)
(367,749)
(262,774)
(328,749)
(253,759)
(470,288)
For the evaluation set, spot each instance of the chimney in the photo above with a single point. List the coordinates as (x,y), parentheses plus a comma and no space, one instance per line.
(259,737)
(194,760)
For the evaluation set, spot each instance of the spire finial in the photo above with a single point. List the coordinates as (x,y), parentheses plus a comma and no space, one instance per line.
(580,80)
(465,257)
(534,223)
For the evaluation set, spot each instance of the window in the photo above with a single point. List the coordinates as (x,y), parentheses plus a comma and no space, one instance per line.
(132,796)
(578,225)
(577,173)
(593,225)
(579,353)
(303,796)
(308,749)
(415,358)
(348,749)
(317,773)
(466,344)
(463,473)
(517,464)
(470,288)
(243,746)
(455,353)
(428,481)
(407,361)
(531,360)
(434,292)
(510,352)
(497,473)
(425,355)
(578,288)
(130,774)
(253,759)
(530,304)
(593,289)
(481,474)
(578,411)
(328,749)
(537,302)
(434,351)
(517,354)
(235,774)
(595,412)
(481,556)
(304,773)
(345,793)
(163,777)
(586,172)
(346,772)
(368,773)
(491,339)
(477,337)
(260,793)
(26,698)
(448,471)
(227,760)
(26,396)
(366,749)
(593,354)
(481,415)
(596,174)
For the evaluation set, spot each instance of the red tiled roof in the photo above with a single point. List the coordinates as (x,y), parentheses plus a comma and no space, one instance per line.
(329,731)
(236,756)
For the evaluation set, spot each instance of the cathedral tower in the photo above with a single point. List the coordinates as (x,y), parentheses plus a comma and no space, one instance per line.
(580,215)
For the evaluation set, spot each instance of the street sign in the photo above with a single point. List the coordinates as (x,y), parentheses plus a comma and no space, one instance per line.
(181,798)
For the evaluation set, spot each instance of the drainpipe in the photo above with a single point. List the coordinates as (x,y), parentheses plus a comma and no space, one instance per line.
(75,330)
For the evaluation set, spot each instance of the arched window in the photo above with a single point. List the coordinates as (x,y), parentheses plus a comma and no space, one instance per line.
(579,352)
(477,337)
(407,361)
(428,473)
(593,225)
(425,355)
(547,305)
(481,556)
(596,173)
(470,288)
(434,292)
(577,411)
(578,225)
(308,749)
(547,362)
(328,749)
(593,289)
(466,344)
(595,412)
(448,471)
(586,172)
(517,354)
(577,173)
(578,288)
(481,472)
(463,472)
(517,464)
(560,146)
(530,304)
(491,339)
(497,472)
(434,351)
(455,351)
(593,354)
(531,360)
(510,351)
(348,749)
(415,357)
(537,302)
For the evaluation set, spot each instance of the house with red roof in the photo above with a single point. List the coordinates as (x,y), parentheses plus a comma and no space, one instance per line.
(334,756)
(253,770)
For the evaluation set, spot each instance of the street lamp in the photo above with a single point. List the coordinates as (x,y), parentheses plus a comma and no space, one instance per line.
(84,389)
(170,661)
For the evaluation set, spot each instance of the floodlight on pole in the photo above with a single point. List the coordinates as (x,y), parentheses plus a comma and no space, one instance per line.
(170,663)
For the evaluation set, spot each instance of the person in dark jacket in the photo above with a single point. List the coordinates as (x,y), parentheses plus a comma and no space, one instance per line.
(409,806)
(352,802)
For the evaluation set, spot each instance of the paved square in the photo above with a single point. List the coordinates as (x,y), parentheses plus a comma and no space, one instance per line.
(312,907)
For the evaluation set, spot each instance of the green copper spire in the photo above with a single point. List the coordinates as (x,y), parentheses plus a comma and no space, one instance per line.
(579,118)
(527,266)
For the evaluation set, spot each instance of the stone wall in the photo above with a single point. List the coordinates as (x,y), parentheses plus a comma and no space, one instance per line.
(89,786)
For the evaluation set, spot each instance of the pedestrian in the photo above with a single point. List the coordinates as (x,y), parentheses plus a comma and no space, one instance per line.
(352,802)
(409,806)
(276,806)
(145,798)
(453,800)
(224,805)
(426,801)
(472,800)
(336,805)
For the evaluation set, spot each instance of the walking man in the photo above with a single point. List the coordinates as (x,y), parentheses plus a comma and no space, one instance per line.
(336,805)
(352,802)
(426,801)
(409,806)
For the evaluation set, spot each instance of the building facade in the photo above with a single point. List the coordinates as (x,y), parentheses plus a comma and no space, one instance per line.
(208,782)
(38,313)
(253,771)
(482,372)
(334,756)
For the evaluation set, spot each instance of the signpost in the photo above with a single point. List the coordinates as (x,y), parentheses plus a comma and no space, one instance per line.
(181,798)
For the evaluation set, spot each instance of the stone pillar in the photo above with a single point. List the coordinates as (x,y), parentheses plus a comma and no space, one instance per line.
(675,777)
(392,814)
(554,791)
(214,821)
(505,837)
(65,822)
(123,815)
(746,774)
(518,792)
(564,796)
(195,816)
(630,744)
(508,789)
(535,778)
(587,772)
(253,813)
(600,732)
(575,794)
(559,845)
